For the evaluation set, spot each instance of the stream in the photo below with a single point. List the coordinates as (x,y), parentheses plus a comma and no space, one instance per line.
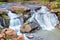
(42,16)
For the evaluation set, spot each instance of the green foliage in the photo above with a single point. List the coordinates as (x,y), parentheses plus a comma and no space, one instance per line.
(24,0)
(44,1)
(8,38)
(0,30)
(58,1)
(2,3)
(19,11)
(4,15)
(53,6)
(58,5)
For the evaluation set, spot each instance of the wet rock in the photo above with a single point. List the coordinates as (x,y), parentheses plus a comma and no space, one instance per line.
(2,22)
(9,33)
(1,35)
(53,11)
(15,8)
(2,39)
(26,28)
(30,37)
(51,5)
(58,14)
(22,29)
(21,37)
(58,26)
(14,38)
(3,11)
(26,15)
(29,27)
(3,17)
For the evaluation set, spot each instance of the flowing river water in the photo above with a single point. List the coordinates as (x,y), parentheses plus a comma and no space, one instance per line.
(49,32)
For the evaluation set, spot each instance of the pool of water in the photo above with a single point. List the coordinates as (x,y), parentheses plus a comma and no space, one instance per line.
(48,35)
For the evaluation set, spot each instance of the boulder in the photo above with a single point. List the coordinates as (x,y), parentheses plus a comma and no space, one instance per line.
(53,11)
(9,33)
(3,11)
(21,37)
(1,35)
(22,29)
(58,26)
(14,38)
(51,5)
(58,14)
(15,8)
(28,27)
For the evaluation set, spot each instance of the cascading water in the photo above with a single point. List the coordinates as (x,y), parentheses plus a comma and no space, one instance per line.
(15,23)
(45,18)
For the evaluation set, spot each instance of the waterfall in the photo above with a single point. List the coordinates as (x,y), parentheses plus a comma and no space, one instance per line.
(2,22)
(15,22)
(45,18)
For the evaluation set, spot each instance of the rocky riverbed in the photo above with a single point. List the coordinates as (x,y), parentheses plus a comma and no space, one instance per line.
(37,34)
(46,35)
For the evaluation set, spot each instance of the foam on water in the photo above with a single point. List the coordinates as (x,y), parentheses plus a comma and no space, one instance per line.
(16,23)
(45,18)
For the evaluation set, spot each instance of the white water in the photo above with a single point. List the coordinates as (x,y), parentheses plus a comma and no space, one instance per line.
(45,18)
(16,23)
